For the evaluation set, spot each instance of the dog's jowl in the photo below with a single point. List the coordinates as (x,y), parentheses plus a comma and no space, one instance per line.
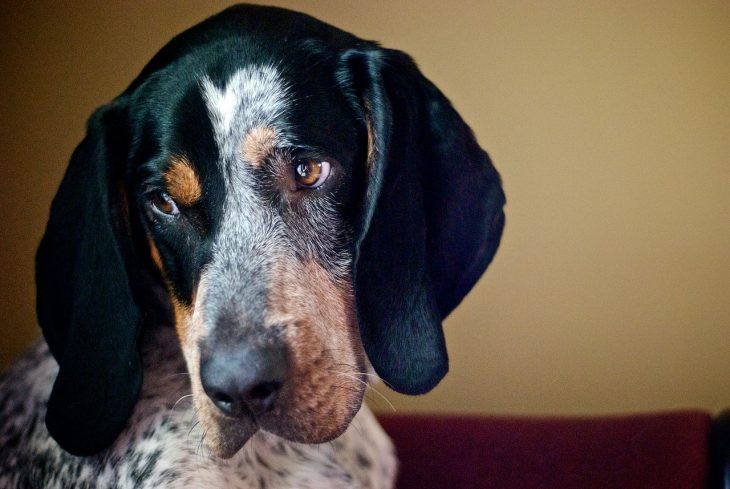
(272,211)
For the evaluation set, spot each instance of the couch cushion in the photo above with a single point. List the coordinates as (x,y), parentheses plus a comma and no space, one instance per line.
(667,450)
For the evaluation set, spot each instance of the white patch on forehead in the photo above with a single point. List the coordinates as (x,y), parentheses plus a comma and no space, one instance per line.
(253,96)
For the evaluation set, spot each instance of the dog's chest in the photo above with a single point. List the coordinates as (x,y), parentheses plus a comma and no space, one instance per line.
(163,444)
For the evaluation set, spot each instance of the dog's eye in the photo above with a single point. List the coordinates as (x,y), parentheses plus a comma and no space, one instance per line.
(311,173)
(163,203)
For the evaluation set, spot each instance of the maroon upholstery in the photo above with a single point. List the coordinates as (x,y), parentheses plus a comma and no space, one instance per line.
(666,451)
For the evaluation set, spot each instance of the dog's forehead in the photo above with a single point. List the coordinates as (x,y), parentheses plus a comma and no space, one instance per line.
(245,68)
(298,108)
(252,98)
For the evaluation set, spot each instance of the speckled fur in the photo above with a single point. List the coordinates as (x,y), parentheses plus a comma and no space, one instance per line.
(362,268)
(162,444)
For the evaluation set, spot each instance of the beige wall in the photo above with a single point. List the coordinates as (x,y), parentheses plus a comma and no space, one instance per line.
(610,123)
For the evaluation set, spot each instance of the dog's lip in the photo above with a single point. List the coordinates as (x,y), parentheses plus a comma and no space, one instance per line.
(296,437)
(233,434)
(289,427)
(236,431)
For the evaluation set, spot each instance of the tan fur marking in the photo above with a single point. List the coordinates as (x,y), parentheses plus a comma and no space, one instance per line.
(371,142)
(155,254)
(182,312)
(182,317)
(327,358)
(182,181)
(258,144)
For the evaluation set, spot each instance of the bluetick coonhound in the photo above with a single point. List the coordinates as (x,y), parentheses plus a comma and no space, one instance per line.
(270,208)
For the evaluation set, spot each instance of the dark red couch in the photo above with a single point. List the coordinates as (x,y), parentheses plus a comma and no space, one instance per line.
(683,449)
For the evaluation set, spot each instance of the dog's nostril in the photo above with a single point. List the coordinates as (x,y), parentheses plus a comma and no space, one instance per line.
(225,403)
(262,396)
(264,390)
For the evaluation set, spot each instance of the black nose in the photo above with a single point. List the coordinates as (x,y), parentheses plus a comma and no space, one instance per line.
(246,378)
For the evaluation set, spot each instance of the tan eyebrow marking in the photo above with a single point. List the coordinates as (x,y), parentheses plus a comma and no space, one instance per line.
(371,142)
(258,144)
(182,181)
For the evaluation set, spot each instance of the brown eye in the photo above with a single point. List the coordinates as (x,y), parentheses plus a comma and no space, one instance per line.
(163,203)
(312,173)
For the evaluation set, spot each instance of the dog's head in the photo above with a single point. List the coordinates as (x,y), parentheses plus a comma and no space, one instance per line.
(307,201)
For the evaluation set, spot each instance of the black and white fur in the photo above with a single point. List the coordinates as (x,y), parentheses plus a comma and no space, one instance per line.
(209,314)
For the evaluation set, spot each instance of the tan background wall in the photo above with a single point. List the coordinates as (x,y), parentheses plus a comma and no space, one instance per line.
(610,123)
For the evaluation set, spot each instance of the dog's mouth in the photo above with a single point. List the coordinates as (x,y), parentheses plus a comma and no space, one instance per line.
(321,420)
(225,436)
(313,403)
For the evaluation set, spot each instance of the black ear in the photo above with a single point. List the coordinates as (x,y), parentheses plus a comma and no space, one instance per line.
(431,221)
(85,305)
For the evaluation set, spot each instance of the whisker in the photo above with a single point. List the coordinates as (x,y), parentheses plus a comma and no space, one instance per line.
(195,421)
(367,386)
(348,389)
(199,449)
(373,375)
(177,375)
(193,427)
(178,401)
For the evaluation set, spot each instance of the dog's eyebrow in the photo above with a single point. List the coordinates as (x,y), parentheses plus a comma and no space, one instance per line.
(182,181)
(257,144)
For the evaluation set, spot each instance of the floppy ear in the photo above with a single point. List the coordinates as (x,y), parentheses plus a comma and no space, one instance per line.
(431,219)
(84,302)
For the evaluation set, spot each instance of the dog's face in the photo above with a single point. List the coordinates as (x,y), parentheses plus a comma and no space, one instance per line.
(307,201)
(247,204)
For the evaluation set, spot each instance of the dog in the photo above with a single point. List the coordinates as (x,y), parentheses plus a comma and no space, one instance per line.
(271,210)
